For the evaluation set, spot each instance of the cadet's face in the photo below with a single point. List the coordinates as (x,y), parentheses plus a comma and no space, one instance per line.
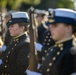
(15,30)
(58,31)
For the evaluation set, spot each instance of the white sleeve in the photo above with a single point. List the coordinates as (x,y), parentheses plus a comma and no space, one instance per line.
(32,73)
(38,46)
(3,48)
(73,73)
(0,61)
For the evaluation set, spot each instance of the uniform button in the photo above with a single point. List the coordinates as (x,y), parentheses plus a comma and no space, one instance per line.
(5,74)
(59,45)
(28,56)
(43,58)
(54,58)
(46,36)
(45,51)
(15,44)
(51,50)
(61,48)
(8,74)
(9,52)
(58,53)
(5,66)
(50,64)
(7,56)
(48,70)
(49,40)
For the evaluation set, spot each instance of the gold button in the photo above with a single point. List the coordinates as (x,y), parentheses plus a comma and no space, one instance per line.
(5,66)
(9,52)
(15,44)
(58,53)
(8,74)
(45,51)
(43,58)
(54,58)
(10,20)
(48,70)
(59,45)
(17,39)
(49,40)
(5,74)
(46,36)
(50,64)
(7,56)
(51,50)
(61,48)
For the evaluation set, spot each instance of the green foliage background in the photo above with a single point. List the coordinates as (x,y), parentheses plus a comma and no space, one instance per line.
(41,4)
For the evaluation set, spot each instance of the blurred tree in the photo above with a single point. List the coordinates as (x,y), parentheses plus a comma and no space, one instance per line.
(65,4)
(15,4)
(45,4)
(41,4)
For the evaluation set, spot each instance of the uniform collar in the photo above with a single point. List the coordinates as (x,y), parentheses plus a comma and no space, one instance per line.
(21,36)
(64,40)
(63,43)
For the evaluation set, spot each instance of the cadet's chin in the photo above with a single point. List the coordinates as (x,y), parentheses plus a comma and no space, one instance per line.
(11,34)
(54,38)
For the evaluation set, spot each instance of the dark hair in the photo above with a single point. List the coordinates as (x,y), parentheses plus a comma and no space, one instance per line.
(24,24)
(74,29)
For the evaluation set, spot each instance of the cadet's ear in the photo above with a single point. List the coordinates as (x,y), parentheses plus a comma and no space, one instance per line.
(69,28)
(22,28)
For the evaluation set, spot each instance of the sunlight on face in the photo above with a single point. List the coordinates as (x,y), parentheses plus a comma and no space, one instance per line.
(15,30)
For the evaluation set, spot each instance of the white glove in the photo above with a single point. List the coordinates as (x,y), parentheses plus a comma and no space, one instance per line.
(38,66)
(73,73)
(0,61)
(3,48)
(32,72)
(38,46)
